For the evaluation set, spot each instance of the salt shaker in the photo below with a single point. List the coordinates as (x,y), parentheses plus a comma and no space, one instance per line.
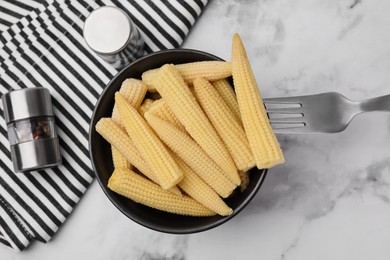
(111,34)
(29,117)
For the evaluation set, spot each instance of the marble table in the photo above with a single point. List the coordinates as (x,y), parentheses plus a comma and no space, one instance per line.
(331,199)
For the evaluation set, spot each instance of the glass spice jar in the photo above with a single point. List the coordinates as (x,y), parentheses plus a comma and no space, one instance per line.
(31,129)
(112,35)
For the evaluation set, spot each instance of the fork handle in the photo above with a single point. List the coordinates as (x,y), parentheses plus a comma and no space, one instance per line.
(376,104)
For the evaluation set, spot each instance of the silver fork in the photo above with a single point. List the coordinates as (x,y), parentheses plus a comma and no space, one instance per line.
(322,113)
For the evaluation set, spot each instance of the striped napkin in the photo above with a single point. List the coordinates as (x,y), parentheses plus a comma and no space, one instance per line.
(41,44)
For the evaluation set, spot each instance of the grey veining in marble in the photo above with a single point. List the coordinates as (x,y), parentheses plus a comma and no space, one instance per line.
(331,199)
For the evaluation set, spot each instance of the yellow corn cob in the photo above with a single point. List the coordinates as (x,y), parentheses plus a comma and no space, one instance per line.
(118,160)
(227,93)
(210,70)
(145,106)
(226,124)
(262,140)
(118,138)
(194,186)
(148,77)
(192,154)
(134,91)
(133,186)
(182,103)
(148,144)
(161,110)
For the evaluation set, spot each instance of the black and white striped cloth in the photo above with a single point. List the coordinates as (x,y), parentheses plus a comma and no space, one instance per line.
(41,44)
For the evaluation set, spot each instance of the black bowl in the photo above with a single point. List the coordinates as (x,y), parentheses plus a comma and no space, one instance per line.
(100,153)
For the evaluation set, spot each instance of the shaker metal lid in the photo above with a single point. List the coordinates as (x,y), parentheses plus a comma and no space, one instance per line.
(26,103)
(107,30)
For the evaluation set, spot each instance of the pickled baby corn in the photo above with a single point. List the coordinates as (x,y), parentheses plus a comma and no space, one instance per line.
(192,154)
(195,187)
(133,186)
(192,184)
(134,91)
(118,138)
(226,124)
(210,70)
(161,110)
(227,93)
(262,140)
(118,160)
(145,106)
(182,103)
(147,143)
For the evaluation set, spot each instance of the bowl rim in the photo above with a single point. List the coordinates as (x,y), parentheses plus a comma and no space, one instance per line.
(91,133)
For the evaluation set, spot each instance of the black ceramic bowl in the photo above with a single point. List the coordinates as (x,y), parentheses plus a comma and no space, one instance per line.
(100,153)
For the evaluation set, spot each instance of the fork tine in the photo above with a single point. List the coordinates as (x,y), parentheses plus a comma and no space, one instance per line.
(289,128)
(285,116)
(283,100)
(284,110)
(291,120)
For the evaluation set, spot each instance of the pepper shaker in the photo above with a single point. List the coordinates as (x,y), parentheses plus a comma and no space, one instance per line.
(33,140)
(112,35)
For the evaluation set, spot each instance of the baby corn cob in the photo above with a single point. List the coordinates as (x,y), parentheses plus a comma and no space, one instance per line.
(226,124)
(161,110)
(210,70)
(182,103)
(192,154)
(148,144)
(133,186)
(145,106)
(118,160)
(118,138)
(194,186)
(149,77)
(227,93)
(262,140)
(134,91)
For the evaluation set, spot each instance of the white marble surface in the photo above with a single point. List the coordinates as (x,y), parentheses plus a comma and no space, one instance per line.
(331,199)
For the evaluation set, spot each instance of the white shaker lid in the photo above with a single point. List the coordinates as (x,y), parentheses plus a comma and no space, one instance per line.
(107,30)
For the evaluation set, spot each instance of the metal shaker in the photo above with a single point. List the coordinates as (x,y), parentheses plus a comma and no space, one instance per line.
(111,34)
(31,129)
